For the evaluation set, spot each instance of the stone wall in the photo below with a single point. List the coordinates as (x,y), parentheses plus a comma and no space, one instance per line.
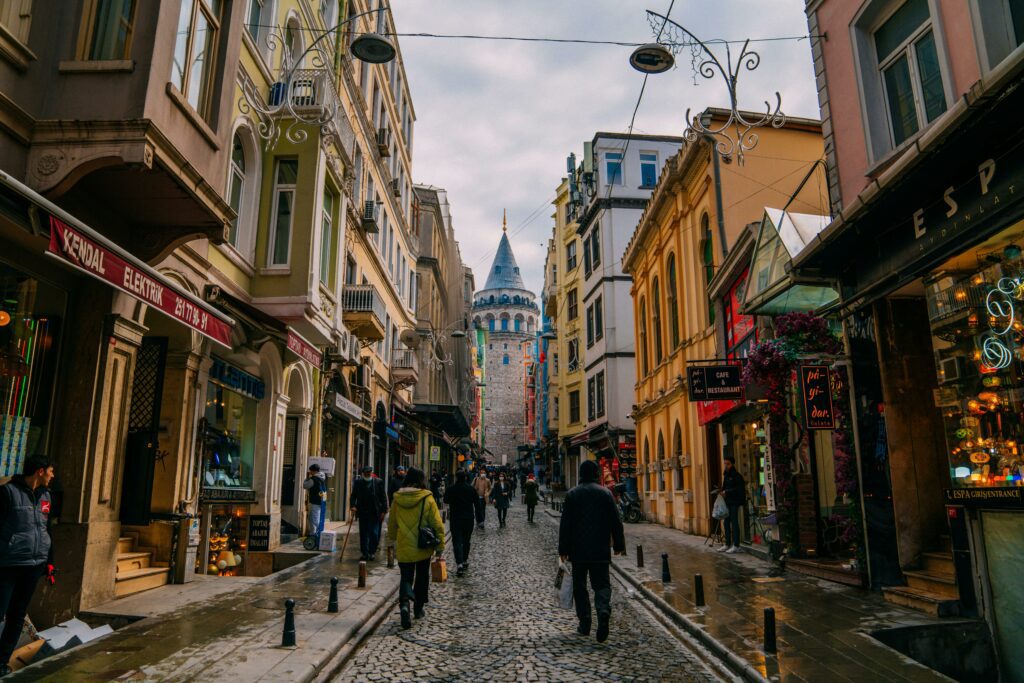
(505,395)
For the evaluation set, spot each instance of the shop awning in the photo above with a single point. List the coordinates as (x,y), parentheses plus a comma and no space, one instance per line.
(442,417)
(78,246)
(581,438)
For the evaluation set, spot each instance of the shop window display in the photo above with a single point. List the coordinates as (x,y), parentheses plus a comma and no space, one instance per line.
(977,323)
(229,533)
(230,438)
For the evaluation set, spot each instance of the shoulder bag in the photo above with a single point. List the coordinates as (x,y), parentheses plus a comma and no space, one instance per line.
(426,538)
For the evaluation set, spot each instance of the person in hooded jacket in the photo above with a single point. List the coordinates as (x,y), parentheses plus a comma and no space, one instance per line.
(531,495)
(461,501)
(414,506)
(590,524)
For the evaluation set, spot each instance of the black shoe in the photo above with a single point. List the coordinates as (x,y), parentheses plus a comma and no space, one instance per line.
(602,628)
(373,557)
(460,572)
(584,628)
(404,610)
(418,612)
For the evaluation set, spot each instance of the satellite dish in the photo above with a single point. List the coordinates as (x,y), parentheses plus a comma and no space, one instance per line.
(410,338)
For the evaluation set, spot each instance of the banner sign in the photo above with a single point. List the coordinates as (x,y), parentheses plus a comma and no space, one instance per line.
(435,453)
(346,407)
(817,397)
(259,533)
(304,350)
(715,382)
(224,495)
(89,256)
(987,497)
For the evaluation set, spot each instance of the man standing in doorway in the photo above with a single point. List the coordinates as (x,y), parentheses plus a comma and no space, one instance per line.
(316,497)
(26,551)
(369,504)
(734,489)
(482,486)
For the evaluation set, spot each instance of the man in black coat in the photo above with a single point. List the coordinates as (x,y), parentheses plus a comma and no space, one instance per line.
(734,489)
(396,482)
(369,504)
(462,500)
(590,524)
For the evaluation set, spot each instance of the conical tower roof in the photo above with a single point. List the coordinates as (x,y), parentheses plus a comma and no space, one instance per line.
(504,270)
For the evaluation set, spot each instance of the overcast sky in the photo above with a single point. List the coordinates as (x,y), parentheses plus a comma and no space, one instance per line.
(496,120)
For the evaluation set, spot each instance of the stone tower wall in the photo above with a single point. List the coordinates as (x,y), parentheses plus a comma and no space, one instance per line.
(505,397)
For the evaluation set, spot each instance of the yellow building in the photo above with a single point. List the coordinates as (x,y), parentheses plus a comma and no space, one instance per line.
(697,214)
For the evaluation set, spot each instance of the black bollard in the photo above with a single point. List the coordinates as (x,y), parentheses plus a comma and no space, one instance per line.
(639,556)
(698,590)
(362,575)
(332,602)
(665,575)
(769,630)
(288,637)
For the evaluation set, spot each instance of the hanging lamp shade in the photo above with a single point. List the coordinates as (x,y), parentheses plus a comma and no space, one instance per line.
(228,557)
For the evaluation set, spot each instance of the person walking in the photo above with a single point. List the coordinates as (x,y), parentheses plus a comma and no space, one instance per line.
(482,486)
(501,496)
(461,501)
(396,482)
(734,489)
(531,496)
(369,504)
(26,549)
(414,508)
(590,524)
(316,498)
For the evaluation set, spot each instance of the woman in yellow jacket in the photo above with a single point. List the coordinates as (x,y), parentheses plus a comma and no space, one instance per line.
(412,508)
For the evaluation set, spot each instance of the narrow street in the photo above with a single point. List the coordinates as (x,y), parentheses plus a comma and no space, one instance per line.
(500,623)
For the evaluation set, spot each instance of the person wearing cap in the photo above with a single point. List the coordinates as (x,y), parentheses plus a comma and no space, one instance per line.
(369,504)
(396,482)
(316,494)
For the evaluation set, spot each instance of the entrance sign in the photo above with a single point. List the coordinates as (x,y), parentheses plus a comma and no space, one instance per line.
(715,382)
(817,397)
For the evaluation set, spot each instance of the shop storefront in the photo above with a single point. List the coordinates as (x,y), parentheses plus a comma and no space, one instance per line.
(339,415)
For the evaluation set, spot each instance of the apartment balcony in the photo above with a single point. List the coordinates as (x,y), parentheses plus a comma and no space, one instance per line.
(363,312)
(404,367)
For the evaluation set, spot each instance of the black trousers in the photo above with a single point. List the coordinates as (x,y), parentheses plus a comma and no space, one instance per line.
(481,509)
(415,582)
(462,531)
(502,515)
(369,534)
(529,512)
(599,581)
(16,587)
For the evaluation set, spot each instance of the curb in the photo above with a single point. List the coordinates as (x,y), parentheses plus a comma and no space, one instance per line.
(741,666)
(330,669)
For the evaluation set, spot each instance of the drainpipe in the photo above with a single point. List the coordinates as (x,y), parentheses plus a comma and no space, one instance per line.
(718,197)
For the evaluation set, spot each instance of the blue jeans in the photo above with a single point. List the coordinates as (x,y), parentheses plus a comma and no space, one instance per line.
(369,534)
(732,526)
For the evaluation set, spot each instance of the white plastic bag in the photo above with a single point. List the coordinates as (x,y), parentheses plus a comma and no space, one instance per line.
(720,509)
(563,589)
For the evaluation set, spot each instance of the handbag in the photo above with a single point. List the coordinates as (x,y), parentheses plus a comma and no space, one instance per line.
(439,570)
(426,538)
(563,587)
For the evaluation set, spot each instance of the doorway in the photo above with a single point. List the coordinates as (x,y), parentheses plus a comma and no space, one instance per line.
(141,444)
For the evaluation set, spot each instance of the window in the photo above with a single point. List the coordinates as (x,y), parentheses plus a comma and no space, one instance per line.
(573,348)
(595,246)
(327,238)
(518,323)
(595,321)
(17,19)
(590,326)
(656,319)
(350,270)
(613,166)
(708,256)
(504,324)
(357,181)
(284,203)
(591,399)
(599,393)
(672,300)
(236,184)
(194,47)
(1000,28)
(570,256)
(574,406)
(504,359)
(644,360)
(648,169)
(108,34)
(588,266)
(909,66)
(573,304)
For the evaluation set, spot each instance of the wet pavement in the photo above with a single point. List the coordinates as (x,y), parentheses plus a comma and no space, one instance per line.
(823,627)
(500,623)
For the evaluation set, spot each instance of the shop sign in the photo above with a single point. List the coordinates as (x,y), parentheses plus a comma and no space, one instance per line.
(259,533)
(326,464)
(435,453)
(709,411)
(193,533)
(817,397)
(303,349)
(347,407)
(715,382)
(237,380)
(987,497)
(223,495)
(136,280)
(769,471)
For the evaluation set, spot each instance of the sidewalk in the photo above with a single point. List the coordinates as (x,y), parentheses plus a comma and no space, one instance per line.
(215,634)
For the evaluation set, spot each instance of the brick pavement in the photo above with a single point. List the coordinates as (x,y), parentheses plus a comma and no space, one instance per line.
(500,623)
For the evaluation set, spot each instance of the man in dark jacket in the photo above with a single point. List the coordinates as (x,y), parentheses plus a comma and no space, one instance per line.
(369,504)
(396,482)
(590,524)
(461,500)
(25,548)
(734,489)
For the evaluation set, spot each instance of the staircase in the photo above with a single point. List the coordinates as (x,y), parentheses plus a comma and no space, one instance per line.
(931,588)
(136,570)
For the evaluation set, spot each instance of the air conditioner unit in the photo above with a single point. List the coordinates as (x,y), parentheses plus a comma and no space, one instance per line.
(396,187)
(951,369)
(369,221)
(384,142)
(353,344)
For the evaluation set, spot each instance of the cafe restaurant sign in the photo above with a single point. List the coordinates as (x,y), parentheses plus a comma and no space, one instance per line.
(817,397)
(137,280)
(715,382)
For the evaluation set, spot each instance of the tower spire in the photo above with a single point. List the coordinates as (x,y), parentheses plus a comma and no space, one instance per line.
(504,220)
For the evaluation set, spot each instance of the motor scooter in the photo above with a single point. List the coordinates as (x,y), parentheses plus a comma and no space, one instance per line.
(628,503)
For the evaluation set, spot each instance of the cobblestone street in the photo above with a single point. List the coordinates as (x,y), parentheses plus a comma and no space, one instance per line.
(500,623)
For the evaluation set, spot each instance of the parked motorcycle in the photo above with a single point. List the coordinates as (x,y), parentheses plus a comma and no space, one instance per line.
(628,503)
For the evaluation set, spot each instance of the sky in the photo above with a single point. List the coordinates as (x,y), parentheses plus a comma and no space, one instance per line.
(495,121)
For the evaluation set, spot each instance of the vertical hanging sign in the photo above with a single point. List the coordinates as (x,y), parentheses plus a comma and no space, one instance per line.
(816,392)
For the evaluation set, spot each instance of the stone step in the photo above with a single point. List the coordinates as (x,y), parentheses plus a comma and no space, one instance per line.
(131,561)
(938,563)
(939,584)
(922,601)
(125,544)
(138,580)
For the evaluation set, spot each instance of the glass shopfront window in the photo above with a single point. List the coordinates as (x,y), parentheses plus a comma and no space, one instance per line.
(30,315)
(230,438)
(228,535)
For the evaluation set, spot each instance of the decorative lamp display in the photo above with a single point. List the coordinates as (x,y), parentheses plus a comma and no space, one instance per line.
(227,558)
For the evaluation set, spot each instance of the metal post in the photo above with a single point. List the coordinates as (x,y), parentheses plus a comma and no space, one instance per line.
(665,575)
(362,574)
(698,590)
(288,637)
(332,601)
(769,630)
(639,556)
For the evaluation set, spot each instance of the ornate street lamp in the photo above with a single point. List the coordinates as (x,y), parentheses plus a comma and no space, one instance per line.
(307,96)
(436,341)
(736,135)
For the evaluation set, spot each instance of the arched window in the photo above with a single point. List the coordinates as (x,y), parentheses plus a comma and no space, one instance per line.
(708,255)
(491,300)
(677,451)
(519,322)
(242,190)
(645,365)
(644,477)
(236,185)
(673,302)
(504,360)
(476,322)
(661,456)
(490,324)
(656,319)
